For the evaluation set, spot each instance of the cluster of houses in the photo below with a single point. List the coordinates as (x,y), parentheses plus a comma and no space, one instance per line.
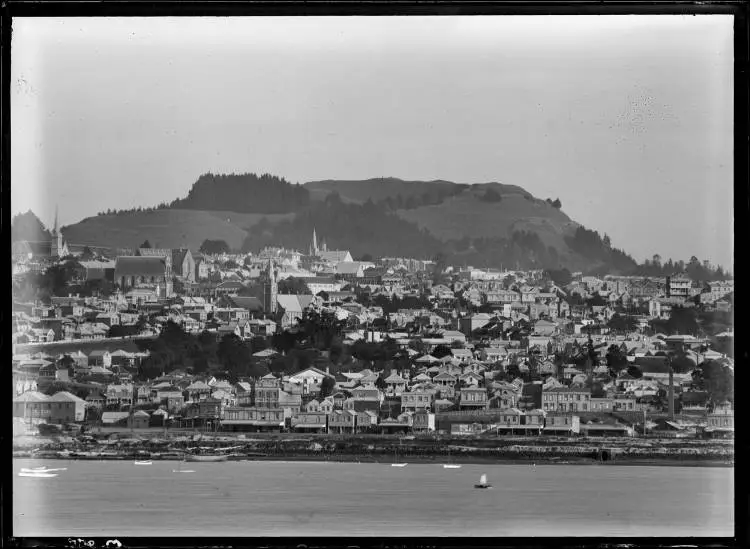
(466,391)
(463,388)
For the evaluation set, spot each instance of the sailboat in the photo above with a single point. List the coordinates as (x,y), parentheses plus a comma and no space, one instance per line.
(451,465)
(483,483)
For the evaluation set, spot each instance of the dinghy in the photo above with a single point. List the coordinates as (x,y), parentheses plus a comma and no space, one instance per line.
(38,474)
(42,470)
(483,484)
(142,462)
(181,470)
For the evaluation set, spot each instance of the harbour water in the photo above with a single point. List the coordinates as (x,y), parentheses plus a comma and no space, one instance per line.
(265,498)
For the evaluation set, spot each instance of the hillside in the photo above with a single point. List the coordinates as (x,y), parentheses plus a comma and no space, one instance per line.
(490,224)
(167,228)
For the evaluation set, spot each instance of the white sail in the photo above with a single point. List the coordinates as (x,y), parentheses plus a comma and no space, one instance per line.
(483,479)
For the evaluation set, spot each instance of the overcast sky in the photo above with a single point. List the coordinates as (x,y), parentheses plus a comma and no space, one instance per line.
(627,119)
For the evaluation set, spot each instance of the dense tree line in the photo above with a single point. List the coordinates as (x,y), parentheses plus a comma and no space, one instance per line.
(433,197)
(244,193)
(591,245)
(698,271)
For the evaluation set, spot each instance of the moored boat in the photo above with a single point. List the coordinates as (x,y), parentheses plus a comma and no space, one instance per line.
(143,462)
(37,474)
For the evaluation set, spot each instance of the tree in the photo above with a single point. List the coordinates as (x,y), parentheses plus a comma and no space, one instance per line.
(557,204)
(441,351)
(380,383)
(513,371)
(717,378)
(293,286)
(561,277)
(616,359)
(635,371)
(87,254)
(326,387)
(417,345)
(146,244)
(233,353)
(214,247)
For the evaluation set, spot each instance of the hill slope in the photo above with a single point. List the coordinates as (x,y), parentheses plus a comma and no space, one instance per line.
(165,228)
(488,224)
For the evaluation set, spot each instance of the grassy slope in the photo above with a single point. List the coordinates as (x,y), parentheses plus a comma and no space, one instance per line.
(165,228)
(467,215)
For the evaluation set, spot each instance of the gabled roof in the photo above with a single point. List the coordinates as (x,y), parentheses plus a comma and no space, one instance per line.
(64,396)
(31,396)
(140,266)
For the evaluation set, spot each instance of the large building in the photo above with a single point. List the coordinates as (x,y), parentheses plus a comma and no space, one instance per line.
(330,256)
(140,271)
(678,285)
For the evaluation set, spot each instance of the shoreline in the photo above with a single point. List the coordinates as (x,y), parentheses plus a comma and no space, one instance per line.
(475,460)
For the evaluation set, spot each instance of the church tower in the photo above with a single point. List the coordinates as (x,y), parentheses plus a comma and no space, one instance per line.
(56,248)
(270,288)
(314,246)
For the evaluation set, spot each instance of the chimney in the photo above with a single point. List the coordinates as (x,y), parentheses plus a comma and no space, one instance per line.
(670,394)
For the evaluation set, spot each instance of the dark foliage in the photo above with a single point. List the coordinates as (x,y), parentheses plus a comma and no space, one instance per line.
(213,247)
(244,193)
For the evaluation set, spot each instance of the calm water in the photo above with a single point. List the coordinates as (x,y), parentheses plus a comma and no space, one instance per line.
(349,499)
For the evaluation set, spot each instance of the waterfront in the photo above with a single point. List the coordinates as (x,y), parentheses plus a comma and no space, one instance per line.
(276,498)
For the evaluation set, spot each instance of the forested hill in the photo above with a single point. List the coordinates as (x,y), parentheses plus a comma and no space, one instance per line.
(485,225)
(245,193)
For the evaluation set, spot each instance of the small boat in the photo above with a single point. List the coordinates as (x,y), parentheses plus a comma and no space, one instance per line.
(395,461)
(451,466)
(181,470)
(140,462)
(483,484)
(209,458)
(37,474)
(42,470)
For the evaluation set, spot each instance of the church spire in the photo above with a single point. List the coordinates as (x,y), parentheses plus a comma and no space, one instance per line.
(54,231)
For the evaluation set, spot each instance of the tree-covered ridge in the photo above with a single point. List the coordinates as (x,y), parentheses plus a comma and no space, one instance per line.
(27,226)
(361,229)
(591,245)
(244,193)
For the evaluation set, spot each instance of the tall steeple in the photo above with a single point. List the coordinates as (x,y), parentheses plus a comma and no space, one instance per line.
(57,241)
(314,243)
(270,288)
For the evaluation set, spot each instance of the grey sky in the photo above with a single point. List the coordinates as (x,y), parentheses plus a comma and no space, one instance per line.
(627,119)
